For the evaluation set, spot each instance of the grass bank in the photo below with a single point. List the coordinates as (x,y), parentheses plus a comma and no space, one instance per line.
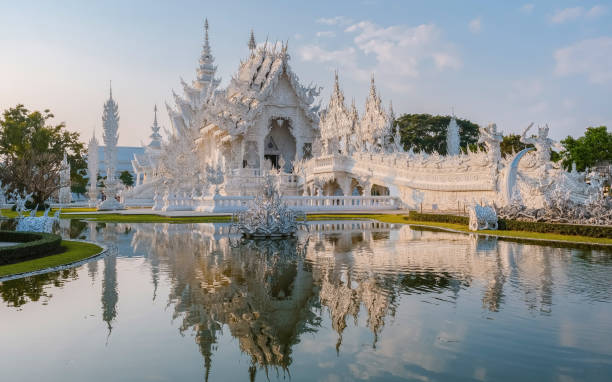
(73,251)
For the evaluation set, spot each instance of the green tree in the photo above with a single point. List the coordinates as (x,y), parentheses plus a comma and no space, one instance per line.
(425,132)
(126,178)
(512,144)
(595,146)
(31,152)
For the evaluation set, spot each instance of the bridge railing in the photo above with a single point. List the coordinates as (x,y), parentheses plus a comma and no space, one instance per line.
(229,204)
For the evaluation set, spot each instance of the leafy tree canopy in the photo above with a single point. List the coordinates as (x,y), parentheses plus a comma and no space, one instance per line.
(512,144)
(425,132)
(31,152)
(594,147)
(126,178)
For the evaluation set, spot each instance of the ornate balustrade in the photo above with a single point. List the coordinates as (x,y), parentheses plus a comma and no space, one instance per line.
(229,204)
(342,203)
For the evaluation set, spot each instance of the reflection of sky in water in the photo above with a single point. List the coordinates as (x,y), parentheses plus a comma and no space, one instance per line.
(346,301)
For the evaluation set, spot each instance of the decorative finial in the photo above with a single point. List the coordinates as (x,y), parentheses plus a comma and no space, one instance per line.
(252,44)
(206,32)
(111,89)
(155,112)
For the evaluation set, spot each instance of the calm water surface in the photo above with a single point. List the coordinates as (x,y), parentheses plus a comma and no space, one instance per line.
(346,301)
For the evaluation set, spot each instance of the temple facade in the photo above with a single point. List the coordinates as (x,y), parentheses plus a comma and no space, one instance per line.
(223,140)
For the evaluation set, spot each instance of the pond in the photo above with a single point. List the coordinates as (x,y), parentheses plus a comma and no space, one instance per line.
(344,301)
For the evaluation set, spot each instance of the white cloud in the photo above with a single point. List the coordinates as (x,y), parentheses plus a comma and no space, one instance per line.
(400,53)
(570,14)
(337,20)
(446,61)
(591,57)
(596,11)
(326,34)
(527,8)
(475,25)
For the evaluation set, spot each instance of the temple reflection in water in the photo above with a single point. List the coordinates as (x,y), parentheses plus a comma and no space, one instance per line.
(269,294)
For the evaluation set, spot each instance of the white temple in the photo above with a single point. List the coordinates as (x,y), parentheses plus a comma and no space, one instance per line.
(223,141)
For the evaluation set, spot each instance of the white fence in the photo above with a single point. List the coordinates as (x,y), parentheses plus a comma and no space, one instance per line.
(229,204)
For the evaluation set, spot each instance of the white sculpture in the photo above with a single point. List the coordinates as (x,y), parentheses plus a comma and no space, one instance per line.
(35,223)
(542,144)
(482,217)
(267,215)
(110,121)
(491,138)
(453,142)
(92,170)
(65,193)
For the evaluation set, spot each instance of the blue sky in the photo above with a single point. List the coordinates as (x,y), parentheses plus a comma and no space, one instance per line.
(508,62)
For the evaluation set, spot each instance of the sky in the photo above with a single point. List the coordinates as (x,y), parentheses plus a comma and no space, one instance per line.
(508,62)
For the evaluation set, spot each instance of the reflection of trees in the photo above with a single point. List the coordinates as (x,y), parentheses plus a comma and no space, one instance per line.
(21,291)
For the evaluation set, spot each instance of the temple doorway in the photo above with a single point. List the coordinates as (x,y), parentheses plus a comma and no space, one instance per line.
(279,145)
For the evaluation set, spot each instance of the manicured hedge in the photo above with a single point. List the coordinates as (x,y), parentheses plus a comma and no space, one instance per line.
(517,225)
(32,245)
(438,218)
(562,229)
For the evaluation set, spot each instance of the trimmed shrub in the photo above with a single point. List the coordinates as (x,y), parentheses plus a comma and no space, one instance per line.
(517,225)
(32,245)
(438,218)
(562,229)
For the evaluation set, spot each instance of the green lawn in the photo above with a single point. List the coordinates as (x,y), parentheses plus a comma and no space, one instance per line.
(74,251)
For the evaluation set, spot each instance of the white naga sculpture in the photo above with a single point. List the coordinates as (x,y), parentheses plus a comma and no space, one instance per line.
(268,215)
(92,170)
(65,193)
(482,217)
(110,121)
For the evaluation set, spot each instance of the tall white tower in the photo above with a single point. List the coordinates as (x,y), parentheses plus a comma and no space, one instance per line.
(92,170)
(110,121)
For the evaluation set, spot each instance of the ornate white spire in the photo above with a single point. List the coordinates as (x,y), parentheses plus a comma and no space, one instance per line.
(110,121)
(252,44)
(206,70)
(156,137)
(375,122)
(452,137)
(336,125)
(92,169)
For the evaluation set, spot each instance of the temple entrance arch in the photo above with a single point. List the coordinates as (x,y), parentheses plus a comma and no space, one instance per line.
(378,190)
(279,144)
